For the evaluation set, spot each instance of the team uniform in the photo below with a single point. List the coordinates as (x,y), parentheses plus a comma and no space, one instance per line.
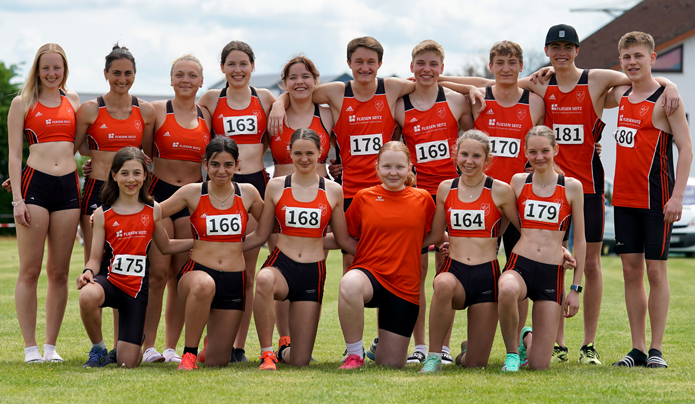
(577,129)
(479,218)
(125,283)
(543,281)
(244,126)
(44,125)
(110,134)
(644,179)
(280,144)
(389,250)
(507,128)
(301,219)
(173,142)
(360,131)
(211,224)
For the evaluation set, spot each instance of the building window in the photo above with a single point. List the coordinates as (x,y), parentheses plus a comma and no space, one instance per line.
(670,61)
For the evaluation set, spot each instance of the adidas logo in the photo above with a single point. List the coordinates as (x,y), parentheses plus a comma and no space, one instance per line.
(167,134)
(115,224)
(349,109)
(277,139)
(490,112)
(103,126)
(552,97)
(38,114)
(622,107)
(413,120)
(94,206)
(220,117)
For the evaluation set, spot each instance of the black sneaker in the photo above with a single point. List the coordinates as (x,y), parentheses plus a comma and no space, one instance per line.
(656,360)
(632,359)
(112,356)
(416,357)
(98,357)
(238,355)
(560,354)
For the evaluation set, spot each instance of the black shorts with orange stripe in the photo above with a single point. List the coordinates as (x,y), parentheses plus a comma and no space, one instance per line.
(543,281)
(91,195)
(132,310)
(161,191)
(479,281)
(305,281)
(259,180)
(642,231)
(594,217)
(230,287)
(51,192)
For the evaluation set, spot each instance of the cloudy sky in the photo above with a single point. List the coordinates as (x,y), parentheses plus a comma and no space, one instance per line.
(158,31)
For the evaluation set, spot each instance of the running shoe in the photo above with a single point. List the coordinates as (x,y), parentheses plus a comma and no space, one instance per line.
(113,357)
(170,355)
(371,354)
(98,358)
(511,363)
(447,359)
(188,362)
(560,354)
(459,357)
(238,355)
(32,355)
(656,360)
(522,348)
(283,344)
(416,357)
(151,355)
(268,361)
(433,363)
(352,362)
(633,358)
(52,357)
(588,355)
(201,354)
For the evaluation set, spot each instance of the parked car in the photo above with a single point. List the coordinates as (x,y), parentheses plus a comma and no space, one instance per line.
(683,235)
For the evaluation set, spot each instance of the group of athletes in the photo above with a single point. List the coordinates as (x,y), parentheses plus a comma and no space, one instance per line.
(462,163)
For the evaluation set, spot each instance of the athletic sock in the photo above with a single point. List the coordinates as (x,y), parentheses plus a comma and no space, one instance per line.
(48,349)
(99,345)
(421,348)
(193,350)
(266,349)
(355,348)
(31,349)
(446,349)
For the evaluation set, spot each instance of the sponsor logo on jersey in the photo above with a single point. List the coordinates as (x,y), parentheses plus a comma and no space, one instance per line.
(349,109)
(486,208)
(257,113)
(441,111)
(416,128)
(323,208)
(521,114)
(167,134)
(413,120)
(643,110)
(490,112)
(138,126)
(111,135)
(622,107)
(379,199)
(552,97)
(115,223)
(145,219)
(220,117)
(351,118)
(580,96)
(103,126)
(119,233)
(491,122)
(38,114)
(379,104)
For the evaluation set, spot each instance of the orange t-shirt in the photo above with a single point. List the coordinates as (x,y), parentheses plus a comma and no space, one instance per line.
(391,227)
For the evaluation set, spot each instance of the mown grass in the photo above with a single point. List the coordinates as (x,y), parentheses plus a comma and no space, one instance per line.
(322,382)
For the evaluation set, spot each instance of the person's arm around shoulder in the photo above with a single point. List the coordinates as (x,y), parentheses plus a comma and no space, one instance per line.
(85,117)
(266,221)
(439,218)
(537,87)
(95,255)
(209,100)
(681,136)
(267,99)
(575,196)
(253,202)
(473,81)
(185,197)
(338,224)
(164,244)
(537,108)
(504,198)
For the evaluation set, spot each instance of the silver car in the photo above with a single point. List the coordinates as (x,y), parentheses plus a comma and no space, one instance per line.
(683,235)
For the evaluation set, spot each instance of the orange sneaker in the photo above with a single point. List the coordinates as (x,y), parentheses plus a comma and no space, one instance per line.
(187,362)
(201,354)
(283,344)
(352,362)
(268,361)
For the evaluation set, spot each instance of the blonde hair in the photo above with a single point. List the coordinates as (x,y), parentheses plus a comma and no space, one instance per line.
(477,135)
(186,57)
(428,45)
(33,87)
(399,147)
(636,38)
(546,132)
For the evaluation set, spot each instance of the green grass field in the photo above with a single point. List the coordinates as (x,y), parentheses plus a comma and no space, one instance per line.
(322,381)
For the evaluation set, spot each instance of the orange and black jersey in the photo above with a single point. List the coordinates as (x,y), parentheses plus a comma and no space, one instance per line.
(110,134)
(550,213)
(431,138)
(244,126)
(128,239)
(507,128)
(644,174)
(45,124)
(479,218)
(361,129)
(577,129)
(303,219)
(211,224)
(280,143)
(174,142)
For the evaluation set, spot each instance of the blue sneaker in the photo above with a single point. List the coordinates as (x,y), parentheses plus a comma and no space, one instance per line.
(98,357)
(511,363)
(522,347)
(371,354)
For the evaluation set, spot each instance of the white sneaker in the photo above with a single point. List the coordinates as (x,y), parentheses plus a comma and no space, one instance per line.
(171,356)
(52,357)
(32,355)
(151,355)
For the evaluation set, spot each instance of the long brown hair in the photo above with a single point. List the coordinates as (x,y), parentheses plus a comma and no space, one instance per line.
(110,192)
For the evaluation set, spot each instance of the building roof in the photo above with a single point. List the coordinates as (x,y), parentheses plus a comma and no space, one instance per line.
(670,22)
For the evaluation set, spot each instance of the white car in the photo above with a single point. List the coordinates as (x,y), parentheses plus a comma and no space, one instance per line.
(683,235)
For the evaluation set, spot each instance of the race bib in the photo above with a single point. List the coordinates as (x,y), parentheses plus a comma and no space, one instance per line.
(305,218)
(432,151)
(223,225)
(625,137)
(467,219)
(365,144)
(240,125)
(569,134)
(541,211)
(505,146)
(129,265)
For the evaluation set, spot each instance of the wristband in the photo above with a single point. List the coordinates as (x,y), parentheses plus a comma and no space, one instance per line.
(87,269)
(576,288)
(15,204)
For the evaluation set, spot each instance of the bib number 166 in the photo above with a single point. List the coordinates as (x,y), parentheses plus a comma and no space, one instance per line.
(223,225)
